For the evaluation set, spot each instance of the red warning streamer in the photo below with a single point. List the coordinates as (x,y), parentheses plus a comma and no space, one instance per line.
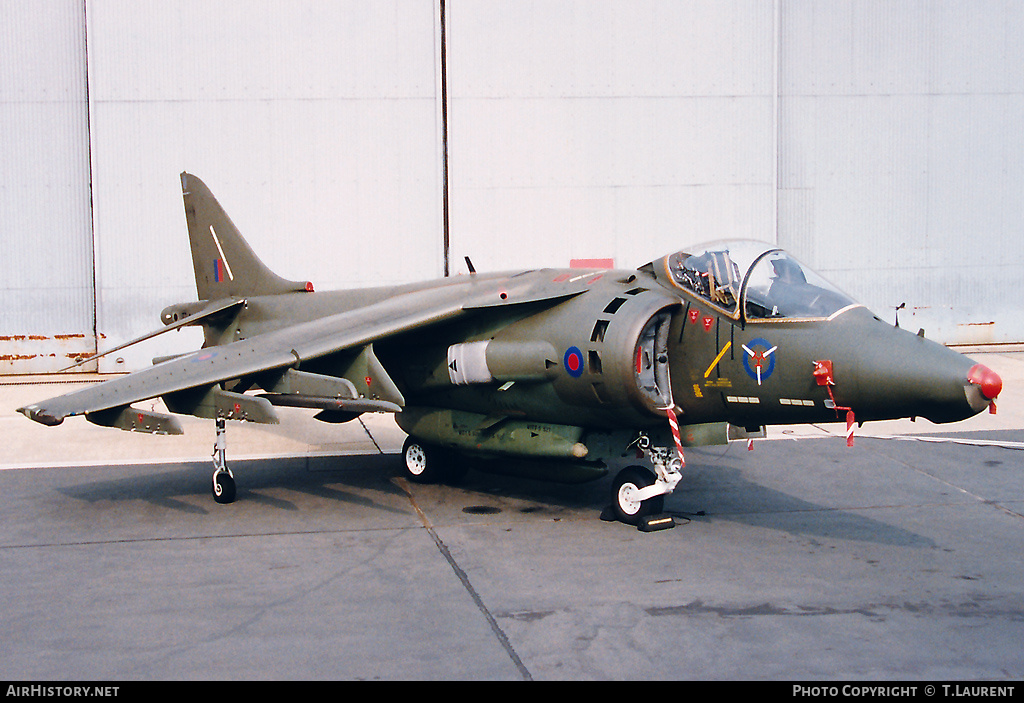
(673,423)
(823,375)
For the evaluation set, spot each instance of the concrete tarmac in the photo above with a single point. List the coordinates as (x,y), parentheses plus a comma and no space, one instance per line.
(897,559)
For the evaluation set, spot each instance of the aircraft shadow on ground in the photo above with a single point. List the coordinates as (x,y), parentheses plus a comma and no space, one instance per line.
(724,486)
(186,487)
(718,486)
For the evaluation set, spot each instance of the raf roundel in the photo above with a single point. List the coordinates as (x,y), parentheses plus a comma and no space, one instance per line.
(573,361)
(759,359)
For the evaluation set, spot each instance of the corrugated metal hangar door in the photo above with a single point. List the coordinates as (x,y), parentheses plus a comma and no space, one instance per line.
(880,141)
(357,143)
(316,124)
(901,158)
(46,272)
(610,130)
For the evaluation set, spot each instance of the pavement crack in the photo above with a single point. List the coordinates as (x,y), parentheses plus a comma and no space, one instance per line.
(464,579)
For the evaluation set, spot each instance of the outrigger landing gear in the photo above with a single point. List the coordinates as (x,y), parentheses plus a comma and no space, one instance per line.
(223,479)
(637,492)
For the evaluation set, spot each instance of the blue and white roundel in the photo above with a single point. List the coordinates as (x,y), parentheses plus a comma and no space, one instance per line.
(759,359)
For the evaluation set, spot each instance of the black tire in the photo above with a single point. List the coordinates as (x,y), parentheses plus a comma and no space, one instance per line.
(631,479)
(223,488)
(425,463)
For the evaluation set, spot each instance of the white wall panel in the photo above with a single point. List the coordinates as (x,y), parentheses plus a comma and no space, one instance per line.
(600,129)
(46,301)
(902,160)
(880,141)
(314,123)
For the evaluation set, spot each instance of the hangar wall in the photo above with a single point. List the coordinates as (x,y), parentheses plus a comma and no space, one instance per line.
(878,141)
(46,274)
(608,129)
(314,123)
(901,158)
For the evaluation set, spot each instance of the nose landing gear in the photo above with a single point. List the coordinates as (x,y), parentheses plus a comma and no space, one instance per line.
(638,493)
(627,488)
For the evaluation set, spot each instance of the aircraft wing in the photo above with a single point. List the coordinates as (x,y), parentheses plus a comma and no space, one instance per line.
(196,375)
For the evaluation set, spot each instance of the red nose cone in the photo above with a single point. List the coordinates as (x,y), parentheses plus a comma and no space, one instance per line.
(988,379)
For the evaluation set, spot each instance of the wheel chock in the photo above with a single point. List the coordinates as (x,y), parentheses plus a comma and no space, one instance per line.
(653,523)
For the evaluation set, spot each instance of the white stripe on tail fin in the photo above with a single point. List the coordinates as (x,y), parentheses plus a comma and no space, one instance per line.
(225,265)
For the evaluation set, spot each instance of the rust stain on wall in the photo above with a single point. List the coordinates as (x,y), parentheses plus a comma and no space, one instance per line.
(40,353)
(39,337)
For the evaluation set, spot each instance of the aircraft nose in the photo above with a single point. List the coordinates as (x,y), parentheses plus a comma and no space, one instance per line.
(986,380)
(905,375)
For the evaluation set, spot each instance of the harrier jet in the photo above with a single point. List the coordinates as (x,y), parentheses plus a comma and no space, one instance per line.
(555,371)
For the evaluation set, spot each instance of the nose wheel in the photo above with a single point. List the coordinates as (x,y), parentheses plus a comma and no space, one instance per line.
(223,479)
(639,493)
(628,501)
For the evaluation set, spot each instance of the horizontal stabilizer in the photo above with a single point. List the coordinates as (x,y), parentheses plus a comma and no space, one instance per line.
(216,308)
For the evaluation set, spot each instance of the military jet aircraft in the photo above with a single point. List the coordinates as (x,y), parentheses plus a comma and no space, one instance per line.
(552,372)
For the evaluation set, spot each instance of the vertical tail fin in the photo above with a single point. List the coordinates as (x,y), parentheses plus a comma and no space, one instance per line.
(224,263)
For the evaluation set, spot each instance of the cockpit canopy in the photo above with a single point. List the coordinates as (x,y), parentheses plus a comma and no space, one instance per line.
(760,281)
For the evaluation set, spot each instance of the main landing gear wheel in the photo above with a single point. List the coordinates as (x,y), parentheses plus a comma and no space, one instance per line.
(223,487)
(428,463)
(626,485)
(422,461)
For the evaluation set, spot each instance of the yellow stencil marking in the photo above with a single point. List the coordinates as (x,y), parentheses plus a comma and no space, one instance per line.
(717,359)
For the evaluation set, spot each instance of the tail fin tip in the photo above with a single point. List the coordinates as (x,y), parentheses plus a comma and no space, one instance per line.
(224,263)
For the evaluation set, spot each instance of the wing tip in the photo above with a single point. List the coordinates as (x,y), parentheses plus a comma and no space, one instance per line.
(34,412)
